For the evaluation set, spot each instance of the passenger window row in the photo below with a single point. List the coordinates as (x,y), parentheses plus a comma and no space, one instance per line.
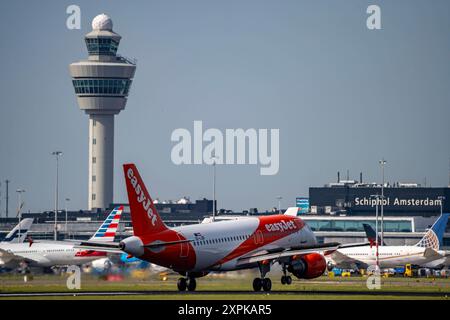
(220,240)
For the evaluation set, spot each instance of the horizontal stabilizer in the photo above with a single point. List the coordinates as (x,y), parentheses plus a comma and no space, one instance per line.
(157,244)
(112,247)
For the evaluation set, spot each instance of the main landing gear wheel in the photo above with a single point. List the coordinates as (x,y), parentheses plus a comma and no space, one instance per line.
(257,284)
(192,284)
(182,284)
(286,280)
(266,284)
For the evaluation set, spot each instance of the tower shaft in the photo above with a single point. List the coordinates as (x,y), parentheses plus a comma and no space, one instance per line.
(102,83)
(101,160)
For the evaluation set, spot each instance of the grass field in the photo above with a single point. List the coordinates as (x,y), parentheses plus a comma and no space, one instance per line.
(228,287)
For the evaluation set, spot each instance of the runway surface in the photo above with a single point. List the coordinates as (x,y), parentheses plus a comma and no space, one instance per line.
(176,293)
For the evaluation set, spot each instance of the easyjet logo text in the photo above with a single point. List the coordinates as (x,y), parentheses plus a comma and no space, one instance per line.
(281,226)
(141,198)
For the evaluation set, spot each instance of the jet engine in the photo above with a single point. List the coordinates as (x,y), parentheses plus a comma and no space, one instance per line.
(308,266)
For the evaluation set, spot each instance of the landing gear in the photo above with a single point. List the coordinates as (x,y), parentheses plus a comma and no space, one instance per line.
(262,283)
(257,284)
(188,284)
(285,279)
(182,284)
(192,284)
(267,284)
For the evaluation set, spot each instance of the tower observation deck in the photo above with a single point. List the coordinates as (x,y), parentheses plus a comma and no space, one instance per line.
(102,83)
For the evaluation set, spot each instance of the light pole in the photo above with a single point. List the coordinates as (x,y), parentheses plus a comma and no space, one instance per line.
(66,200)
(441,200)
(376,197)
(382,163)
(7,196)
(56,154)
(279,203)
(19,208)
(214,188)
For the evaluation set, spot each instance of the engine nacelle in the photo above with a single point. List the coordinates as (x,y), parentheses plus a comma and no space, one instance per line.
(309,266)
(132,245)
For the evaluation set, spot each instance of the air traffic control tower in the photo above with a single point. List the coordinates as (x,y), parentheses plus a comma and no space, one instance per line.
(102,84)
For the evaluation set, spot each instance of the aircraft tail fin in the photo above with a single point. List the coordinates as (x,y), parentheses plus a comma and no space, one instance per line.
(291,211)
(370,233)
(433,238)
(144,216)
(22,229)
(108,229)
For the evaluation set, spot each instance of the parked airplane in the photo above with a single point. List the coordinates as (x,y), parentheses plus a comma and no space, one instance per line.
(439,263)
(425,251)
(370,233)
(58,253)
(19,233)
(195,250)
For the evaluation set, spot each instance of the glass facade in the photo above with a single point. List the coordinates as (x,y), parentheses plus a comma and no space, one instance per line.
(113,87)
(357,225)
(102,46)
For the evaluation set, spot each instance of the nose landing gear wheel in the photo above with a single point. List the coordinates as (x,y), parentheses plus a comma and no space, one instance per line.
(288,280)
(257,284)
(283,279)
(266,284)
(192,284)
(182,284)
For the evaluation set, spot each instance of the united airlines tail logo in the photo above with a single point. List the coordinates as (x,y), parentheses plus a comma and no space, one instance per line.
(430,240)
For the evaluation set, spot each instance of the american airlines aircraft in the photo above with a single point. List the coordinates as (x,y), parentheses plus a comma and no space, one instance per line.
(58,253)
(19,233)
(195,250)
(426,251)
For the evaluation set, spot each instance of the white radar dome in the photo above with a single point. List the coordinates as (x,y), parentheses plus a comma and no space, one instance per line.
(102,22)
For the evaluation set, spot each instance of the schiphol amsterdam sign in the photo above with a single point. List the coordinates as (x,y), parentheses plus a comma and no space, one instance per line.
(407,202)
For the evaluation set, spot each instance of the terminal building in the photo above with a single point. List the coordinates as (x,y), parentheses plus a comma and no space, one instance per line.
(400,230)
(356,198)
(335,212)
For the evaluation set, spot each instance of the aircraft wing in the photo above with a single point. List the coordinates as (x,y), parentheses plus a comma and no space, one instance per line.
(7,257)
(431,253)
(114,247)
(344,261)
(285,253)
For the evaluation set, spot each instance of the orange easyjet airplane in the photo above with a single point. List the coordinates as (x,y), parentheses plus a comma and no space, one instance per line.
(197,249)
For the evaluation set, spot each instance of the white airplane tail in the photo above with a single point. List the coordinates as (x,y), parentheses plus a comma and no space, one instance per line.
(20,231)
(292,211)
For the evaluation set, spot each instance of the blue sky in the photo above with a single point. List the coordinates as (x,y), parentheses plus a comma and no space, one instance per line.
(342,96)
